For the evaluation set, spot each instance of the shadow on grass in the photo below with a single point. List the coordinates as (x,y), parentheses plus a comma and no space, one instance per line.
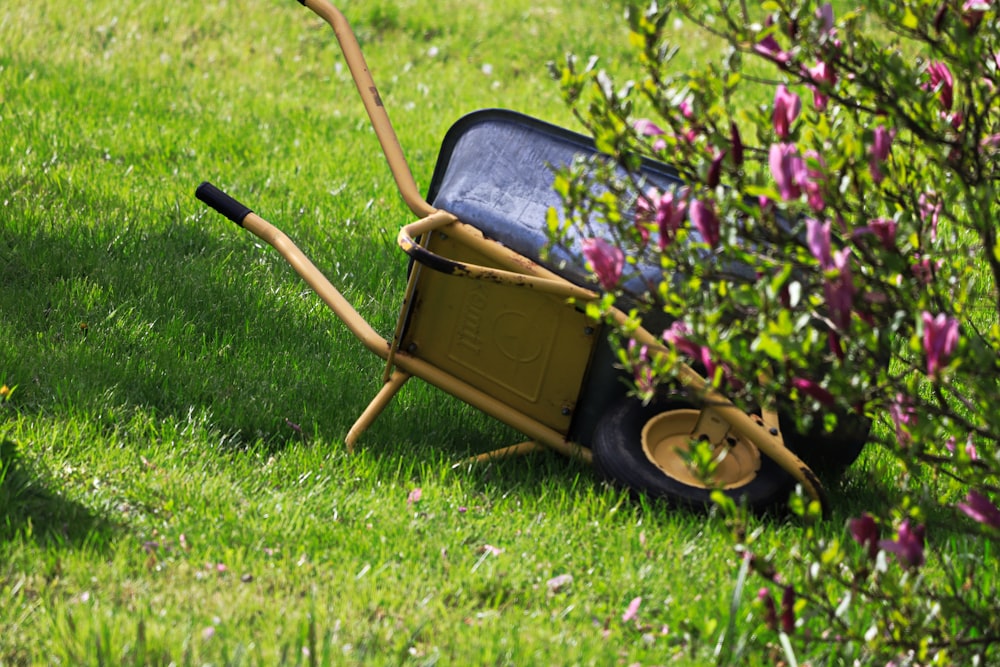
(29,508)
(179,322)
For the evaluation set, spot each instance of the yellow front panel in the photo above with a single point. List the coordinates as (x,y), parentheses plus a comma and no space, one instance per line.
(529,350)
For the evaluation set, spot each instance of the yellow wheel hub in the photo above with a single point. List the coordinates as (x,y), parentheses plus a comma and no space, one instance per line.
(667,437)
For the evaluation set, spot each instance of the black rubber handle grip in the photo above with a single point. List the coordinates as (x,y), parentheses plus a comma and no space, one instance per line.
(222,202)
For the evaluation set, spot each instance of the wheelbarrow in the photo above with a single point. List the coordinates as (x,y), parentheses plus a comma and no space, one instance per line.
(486,318)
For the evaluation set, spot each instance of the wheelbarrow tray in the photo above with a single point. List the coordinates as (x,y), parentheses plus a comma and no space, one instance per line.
(533,351)
(496,171)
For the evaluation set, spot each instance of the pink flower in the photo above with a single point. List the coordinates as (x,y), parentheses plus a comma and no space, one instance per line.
(825,15)
(686,110)
(786,109)
(923,269)
(908,545)
(770,611)
(881,145)
(812,389)
(904,416)
(607,261)
(970,447)
(839,290)
(715,170)
(980,509)
(670,210)
(929,210)
(973,11)
(676,337)
(769,47)
(648,128)
(818,241)
(864,530)
(558,583)
(788,170)
(941,82)
(884,230)
(838,287)
(414,496)
(632,610)
(788,610)
(823,76)
(940,338)
(704,218)
(814,179)
(736,142)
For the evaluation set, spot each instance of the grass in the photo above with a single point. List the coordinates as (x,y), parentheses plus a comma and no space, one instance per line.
(174,484)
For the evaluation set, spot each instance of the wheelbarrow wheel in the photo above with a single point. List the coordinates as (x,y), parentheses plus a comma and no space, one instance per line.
(828,454)
(639,447)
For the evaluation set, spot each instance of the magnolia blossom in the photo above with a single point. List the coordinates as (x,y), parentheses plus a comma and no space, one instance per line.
(632,610)
(838,287)
(825,15)
(812,389)
(769,47)
(677,337)
(908,545)
(923,269)
(970,447)
(786,109)
(670,211)
(665,210)
(904,417)
(606,260)
(864,530)
(823,76)
(736,142)
(839,291)
(973,11)
(788,610)
(648,128)
(715,169)
(929,210)
(940,338)
(642,371)
(979,508)
(770,611)
(881,145)
(942,82)
(704,218)
(813,183)
(884,229)
(788,170)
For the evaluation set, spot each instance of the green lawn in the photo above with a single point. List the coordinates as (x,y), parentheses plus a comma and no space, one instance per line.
(174,485)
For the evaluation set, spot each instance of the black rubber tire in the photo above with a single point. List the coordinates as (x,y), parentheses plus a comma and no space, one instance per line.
(619,457)
(827,454)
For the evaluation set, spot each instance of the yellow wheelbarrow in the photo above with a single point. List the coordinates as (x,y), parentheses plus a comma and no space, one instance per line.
(485,318)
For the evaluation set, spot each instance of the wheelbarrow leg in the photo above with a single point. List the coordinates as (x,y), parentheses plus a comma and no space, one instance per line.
(374,409)
(519,449)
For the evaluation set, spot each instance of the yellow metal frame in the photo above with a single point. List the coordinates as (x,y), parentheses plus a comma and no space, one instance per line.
(471,257)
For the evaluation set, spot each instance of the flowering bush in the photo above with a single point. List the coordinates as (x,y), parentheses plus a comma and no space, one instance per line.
(834,248)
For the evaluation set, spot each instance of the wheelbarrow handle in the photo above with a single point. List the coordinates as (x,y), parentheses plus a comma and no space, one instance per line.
(222,202)
(373,104)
